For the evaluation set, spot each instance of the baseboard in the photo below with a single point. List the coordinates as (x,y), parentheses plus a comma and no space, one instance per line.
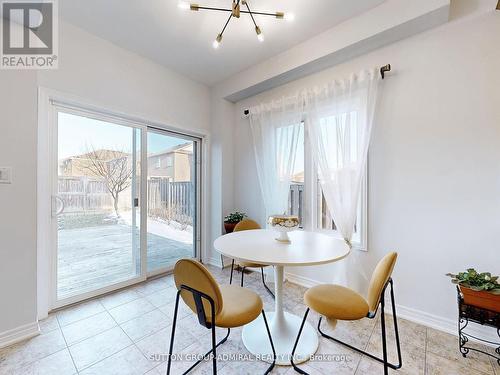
(417,316)
(301,280)
(214,262)
(447,325)
(18,334)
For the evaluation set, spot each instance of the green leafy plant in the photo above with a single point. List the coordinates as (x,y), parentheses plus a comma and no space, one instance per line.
(476,281)
(235,217)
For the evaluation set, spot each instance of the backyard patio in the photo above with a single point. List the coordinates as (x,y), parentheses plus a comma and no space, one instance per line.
(94,257)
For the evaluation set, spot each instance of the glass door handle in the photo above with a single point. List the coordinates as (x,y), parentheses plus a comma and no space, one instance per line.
(55,210)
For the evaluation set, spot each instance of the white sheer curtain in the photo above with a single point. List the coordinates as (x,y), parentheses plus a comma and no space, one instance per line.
(339,121)
(275,131)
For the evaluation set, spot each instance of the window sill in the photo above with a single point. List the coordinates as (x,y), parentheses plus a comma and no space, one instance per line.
(356,245)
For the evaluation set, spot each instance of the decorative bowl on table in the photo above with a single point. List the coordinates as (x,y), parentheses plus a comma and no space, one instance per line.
(283,224)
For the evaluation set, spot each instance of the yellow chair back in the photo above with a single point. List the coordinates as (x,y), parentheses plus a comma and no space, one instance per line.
(193,274)
(246,224)
(380,276)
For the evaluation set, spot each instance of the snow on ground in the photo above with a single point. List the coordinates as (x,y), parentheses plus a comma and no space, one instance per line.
(161,228)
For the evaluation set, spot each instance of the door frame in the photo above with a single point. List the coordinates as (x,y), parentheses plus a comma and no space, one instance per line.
(48,99)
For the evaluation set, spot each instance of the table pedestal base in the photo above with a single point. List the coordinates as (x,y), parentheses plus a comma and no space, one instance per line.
(284,331)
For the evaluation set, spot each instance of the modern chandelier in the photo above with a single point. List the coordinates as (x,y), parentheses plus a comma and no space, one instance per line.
(235,11)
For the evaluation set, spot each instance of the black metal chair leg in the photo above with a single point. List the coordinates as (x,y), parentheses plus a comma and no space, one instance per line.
(197,296)
(242,274)
(395,320)
(270,368)
(174,323)
(264,282)
(384,360)
(222,261)
(384,338)
(214,350)
(296,343)
(232,269)
(208,353)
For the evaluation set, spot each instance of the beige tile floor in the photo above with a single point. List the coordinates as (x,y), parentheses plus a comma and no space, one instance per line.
(128,333)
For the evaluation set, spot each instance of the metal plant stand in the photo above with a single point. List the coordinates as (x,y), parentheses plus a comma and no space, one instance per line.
(468,313)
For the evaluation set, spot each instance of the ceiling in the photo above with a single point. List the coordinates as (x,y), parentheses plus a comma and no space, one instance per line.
(182,39)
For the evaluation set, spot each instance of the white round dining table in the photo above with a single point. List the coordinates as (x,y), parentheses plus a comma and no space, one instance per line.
(305,249)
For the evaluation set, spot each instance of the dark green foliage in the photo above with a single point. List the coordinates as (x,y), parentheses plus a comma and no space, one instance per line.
(235,217)
(476,281)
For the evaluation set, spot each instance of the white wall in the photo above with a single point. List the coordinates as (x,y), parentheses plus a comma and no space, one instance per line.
(434,167)
(388,22)
(221,167)
(18,200)
(98,72)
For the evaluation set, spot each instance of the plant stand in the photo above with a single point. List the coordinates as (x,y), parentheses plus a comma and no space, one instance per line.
(468,313)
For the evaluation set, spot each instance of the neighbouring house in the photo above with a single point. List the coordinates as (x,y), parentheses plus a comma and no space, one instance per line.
(298,178)
(173,163)
(80,165)
(82,189)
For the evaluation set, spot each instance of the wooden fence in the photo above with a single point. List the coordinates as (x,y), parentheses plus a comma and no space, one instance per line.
(171,200)
(296,201)
(166,199)
(83,194)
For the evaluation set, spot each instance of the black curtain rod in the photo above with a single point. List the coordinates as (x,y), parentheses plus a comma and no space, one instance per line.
(384,69)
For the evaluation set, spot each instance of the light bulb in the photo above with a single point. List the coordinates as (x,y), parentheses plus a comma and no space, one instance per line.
(289,16)
(217,41)
(260,36)
(183,5)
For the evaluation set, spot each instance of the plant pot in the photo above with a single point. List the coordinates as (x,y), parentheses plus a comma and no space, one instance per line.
(229,227)
(482,299)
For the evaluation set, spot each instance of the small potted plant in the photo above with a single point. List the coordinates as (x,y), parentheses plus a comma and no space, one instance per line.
(232,219)
(479,289)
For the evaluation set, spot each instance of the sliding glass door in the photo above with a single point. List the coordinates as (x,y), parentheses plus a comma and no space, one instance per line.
(96,204)
(125,200)
(172,199)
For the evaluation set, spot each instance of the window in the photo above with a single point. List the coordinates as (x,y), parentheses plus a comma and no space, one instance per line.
(170,161)
(325,221)
(158,162)
(306,199)
(296,197)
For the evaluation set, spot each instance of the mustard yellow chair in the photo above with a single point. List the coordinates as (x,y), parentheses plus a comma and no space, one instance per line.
(335,302)
(224,306)
(248,224)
